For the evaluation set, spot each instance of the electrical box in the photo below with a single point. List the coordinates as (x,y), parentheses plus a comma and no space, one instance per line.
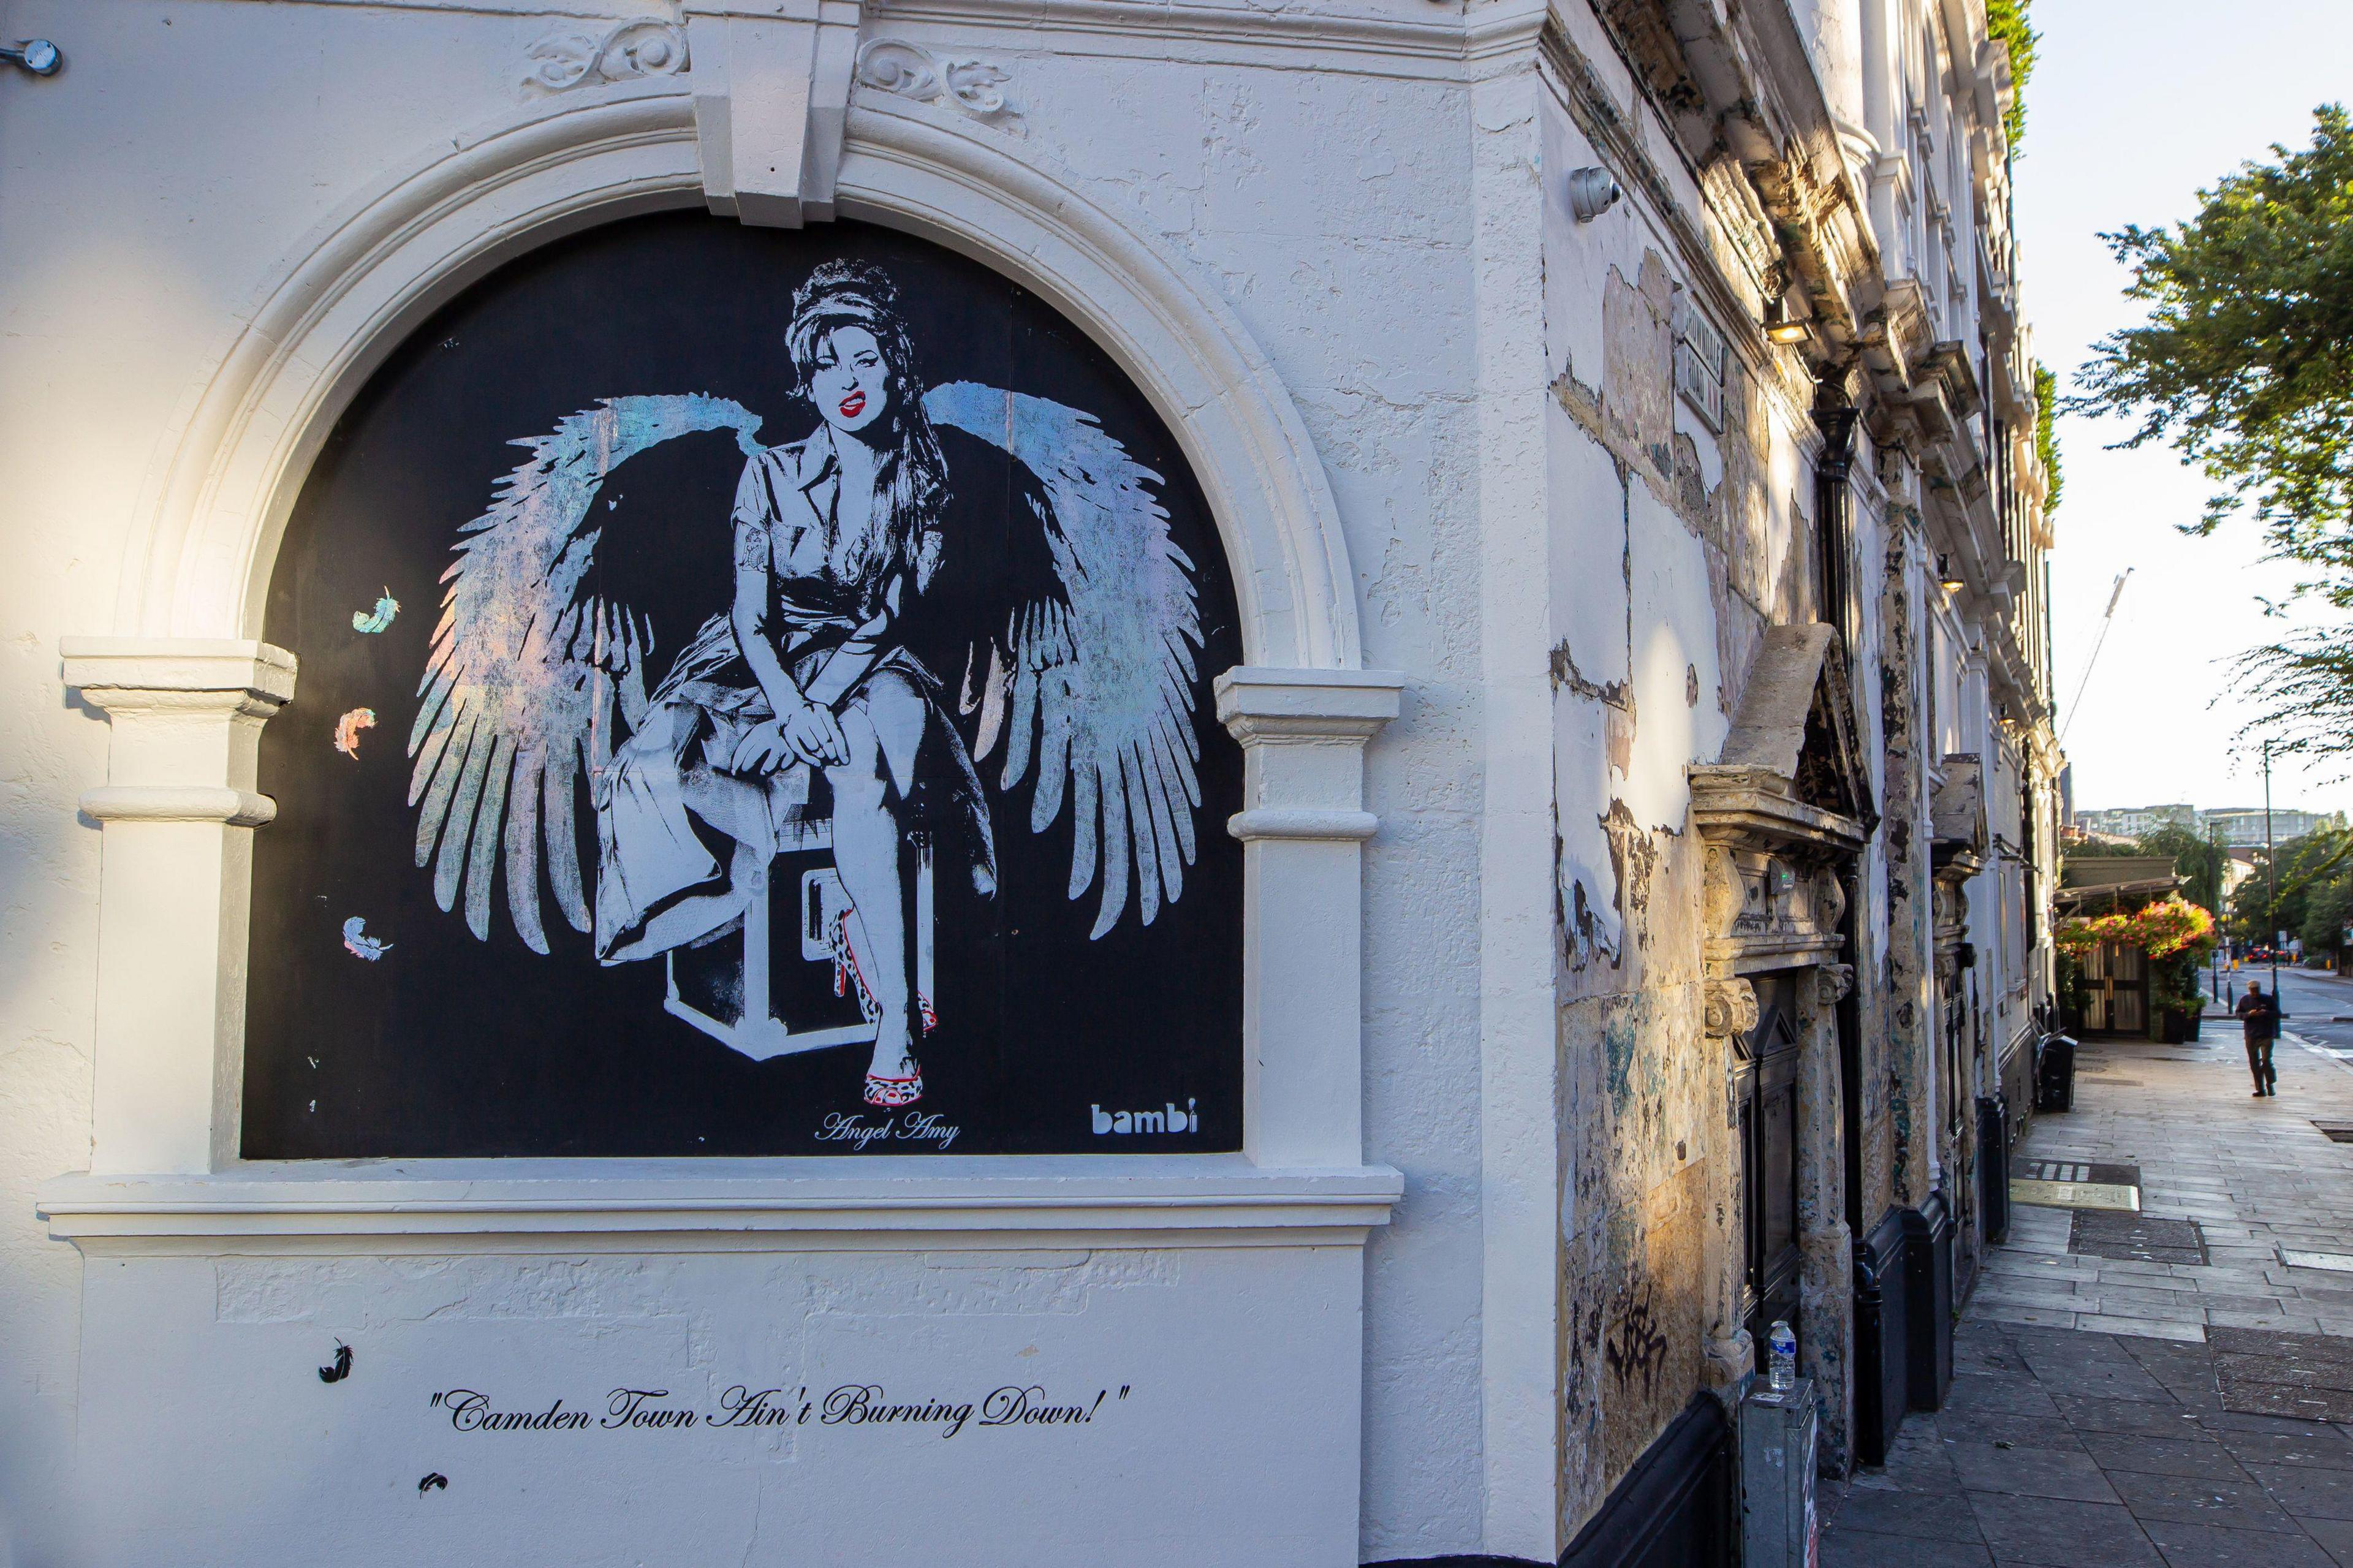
(1777,1528)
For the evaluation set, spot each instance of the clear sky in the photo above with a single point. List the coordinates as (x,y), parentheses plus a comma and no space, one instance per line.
(2135,105)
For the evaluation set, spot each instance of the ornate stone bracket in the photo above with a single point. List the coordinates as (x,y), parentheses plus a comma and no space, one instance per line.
(1789,801)
(1956,850)
(1729,1009)
(771,106)
(1834,983)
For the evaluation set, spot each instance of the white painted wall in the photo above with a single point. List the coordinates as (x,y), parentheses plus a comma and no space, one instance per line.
(156,188)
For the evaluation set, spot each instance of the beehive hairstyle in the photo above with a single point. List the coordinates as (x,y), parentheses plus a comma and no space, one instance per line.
(911,480)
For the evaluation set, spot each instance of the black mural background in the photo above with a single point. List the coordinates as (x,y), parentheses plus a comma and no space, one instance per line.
(451,1046)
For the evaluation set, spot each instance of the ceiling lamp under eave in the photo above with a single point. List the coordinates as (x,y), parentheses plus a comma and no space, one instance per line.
(1780,326)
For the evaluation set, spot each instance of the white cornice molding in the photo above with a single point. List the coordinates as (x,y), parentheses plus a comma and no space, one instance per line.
(1445,48)
(636,1206)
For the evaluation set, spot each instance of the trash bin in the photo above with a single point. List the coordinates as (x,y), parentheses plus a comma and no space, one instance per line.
(1993,1166)
(2054,1078)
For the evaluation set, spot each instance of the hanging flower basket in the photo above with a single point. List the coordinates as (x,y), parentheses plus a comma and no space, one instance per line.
(2163,929)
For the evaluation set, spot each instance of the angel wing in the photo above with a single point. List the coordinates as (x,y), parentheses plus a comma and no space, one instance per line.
(1096,689)
(519,687)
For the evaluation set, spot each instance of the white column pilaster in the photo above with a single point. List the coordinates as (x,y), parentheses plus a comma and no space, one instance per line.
(177,812)
(1303,828)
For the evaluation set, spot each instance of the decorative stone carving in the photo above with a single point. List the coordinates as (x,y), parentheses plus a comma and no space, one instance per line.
(1830,899)
(1834,982)
(1730,1008)
(1761,903)
(909,70)
(624,52)
(1730,1353)
(1957,815)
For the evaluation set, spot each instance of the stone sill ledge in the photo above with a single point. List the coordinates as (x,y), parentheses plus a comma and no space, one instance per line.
(884,1202)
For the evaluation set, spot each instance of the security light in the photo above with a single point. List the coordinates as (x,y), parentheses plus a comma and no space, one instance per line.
(35,55)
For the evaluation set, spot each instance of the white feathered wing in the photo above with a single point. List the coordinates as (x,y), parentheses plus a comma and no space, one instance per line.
(1100,696)
(518,690)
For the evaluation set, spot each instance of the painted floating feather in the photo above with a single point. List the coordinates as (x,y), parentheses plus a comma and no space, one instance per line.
(359,944)
(377,619)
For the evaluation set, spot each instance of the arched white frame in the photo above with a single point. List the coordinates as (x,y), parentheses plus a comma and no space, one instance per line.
(189,688)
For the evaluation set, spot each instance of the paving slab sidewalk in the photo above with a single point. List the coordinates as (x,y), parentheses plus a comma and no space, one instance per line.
(2127,1410)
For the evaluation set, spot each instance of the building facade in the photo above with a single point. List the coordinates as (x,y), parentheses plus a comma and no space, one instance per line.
(1060,782)
(2237,827)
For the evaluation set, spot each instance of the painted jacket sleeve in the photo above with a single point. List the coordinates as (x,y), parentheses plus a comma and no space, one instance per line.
(750,612)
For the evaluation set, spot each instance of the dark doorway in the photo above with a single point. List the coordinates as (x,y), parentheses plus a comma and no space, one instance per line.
(1766,1090)
(2116,990)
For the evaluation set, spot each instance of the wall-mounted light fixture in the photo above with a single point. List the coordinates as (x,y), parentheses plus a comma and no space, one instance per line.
(1591,193)
(1781,327)
(1946,578)
(35,55)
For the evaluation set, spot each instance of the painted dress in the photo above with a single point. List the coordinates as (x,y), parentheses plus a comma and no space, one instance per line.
(835,604)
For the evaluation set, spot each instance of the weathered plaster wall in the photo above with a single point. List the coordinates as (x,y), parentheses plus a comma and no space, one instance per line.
(1672,546)
(1897,1143)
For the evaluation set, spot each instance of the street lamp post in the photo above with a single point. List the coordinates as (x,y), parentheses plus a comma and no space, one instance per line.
(2271,861)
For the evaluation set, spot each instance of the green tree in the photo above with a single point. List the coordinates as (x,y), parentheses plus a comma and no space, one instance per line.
(2328,909)
(2246,366)
(2198,861)
(2314,891)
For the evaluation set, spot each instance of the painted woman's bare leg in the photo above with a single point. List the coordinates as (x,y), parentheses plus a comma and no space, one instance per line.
(870,851)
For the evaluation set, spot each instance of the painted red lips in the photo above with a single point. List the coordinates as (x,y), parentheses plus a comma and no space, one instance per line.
(854,406)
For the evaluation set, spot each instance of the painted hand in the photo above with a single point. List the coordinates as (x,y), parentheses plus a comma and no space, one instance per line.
(814,735)
(763,750)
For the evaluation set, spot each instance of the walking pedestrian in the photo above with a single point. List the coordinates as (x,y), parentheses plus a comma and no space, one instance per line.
(2260,1015)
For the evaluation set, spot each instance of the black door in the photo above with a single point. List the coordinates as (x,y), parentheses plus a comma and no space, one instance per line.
(1765,1086)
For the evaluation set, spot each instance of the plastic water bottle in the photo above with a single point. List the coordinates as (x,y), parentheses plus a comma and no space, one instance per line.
(1781,1357)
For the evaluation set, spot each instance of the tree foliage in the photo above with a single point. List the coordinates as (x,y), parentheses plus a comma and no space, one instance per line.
(2006,20)
(2316,892)
(2046,435)
(2198,861)
(2246,366)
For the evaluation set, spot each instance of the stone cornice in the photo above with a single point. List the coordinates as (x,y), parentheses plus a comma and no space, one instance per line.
(1753,807)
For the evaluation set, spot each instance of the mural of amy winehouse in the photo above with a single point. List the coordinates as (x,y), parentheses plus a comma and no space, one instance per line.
(837,539)
(1057,603)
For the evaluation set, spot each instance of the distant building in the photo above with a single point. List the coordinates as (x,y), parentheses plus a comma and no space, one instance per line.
(2239,826)
(2244,826)
(2133,821)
